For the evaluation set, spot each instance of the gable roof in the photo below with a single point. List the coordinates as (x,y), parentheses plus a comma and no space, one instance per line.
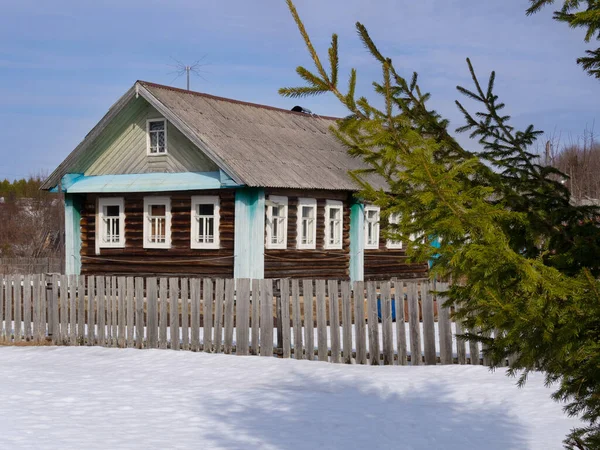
(256,145)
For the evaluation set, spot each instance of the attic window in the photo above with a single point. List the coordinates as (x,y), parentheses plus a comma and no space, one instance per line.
(156,136)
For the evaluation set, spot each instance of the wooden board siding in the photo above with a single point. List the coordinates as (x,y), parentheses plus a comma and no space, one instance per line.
(121,147)
(385,263)
(318,263)
(180,259)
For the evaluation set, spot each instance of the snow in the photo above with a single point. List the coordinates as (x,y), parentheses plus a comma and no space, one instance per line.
(93,397)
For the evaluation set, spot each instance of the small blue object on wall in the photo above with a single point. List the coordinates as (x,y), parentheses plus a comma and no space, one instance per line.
(379,307)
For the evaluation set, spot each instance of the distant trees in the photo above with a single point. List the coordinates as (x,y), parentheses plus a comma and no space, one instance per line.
(30,219)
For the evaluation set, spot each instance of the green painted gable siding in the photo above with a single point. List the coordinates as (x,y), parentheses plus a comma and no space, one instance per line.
(121,148)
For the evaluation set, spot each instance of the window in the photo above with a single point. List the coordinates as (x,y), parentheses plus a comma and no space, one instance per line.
(371,227)
(394,220)
(157,222)
(156,141)
(307,223)
(110,223)
(334,211)
(205,221)
(277,211)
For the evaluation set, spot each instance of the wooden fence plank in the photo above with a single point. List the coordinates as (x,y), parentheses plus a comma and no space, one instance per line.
(228,312)
(91,311)
(163,320)
(428,324)
(414,324)
(359,322)
(285,318)
(26,307)
(218,325)
(400,322)
(321,321)
(309,324)
(130,302)
(474,350)
(2,309)
(73,285)
(255,317)
(242,323)
(207,313)
(101,292)
(114,302)
(346,323)
(53,310)
(297,318)
(185,314)
(139,312)
(8,305)
(334,320)
(18,280)
(195,313)
(461,351)
(152,328)
(174,312)
(81,310)
(387,326)
(109,301)
(121,310)
(64,310)
(266,318)
(37,334)
(444,326)
(373,323)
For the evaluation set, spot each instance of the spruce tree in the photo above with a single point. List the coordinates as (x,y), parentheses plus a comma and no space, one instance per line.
(544,316)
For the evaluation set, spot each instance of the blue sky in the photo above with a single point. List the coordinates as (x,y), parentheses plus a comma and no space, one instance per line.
(64,63)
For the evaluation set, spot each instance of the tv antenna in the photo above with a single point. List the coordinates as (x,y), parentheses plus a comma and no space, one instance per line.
(181,69)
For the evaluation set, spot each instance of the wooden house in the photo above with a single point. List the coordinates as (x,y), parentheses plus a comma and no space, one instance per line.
(179,182)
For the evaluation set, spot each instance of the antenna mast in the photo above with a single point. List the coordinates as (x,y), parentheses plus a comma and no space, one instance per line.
(186,69)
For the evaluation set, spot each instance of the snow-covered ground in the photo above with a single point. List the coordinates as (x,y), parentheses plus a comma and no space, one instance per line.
(93,397)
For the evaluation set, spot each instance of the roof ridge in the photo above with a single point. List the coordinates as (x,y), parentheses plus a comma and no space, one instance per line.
(231,100)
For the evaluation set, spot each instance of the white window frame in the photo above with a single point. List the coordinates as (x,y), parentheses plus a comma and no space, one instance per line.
(148,122)
(299,226)
(283,203)
(205,200)
(329,205)
(163,201)
(374,245)
(100,225)
(389,243)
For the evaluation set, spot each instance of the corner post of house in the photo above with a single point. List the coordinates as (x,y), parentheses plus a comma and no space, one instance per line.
(72,234)
(249,239)
(357,242)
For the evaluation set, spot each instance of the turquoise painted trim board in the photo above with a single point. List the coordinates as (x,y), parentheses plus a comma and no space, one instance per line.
(249,233)
(72,235)
(357,242)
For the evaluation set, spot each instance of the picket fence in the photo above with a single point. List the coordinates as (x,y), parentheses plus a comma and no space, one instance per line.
(266,317)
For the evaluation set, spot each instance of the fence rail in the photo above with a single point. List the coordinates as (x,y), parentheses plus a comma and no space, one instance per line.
(391,322)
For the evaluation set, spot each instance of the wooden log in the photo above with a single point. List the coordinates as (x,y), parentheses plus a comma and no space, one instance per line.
(266,318)
(26,307)
(401,322)
(152,296)
(91,311)
(174,312)
(139,312)
(228,313)
(284,319)
(254,345)
(80,311)
(130,308)
(387,326)
(73,285)
(8,306)
(446,356)
(309,324)
(64,309)
(373,323)
(242,326)
(414,324)
(207,313)
(195,313)
(163,320)
(18,305)
(185,319)
(218,326)
(334,320)
(321,321)
(297,318)
(359,322)
(428,324)
(346,322)
(100,286)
